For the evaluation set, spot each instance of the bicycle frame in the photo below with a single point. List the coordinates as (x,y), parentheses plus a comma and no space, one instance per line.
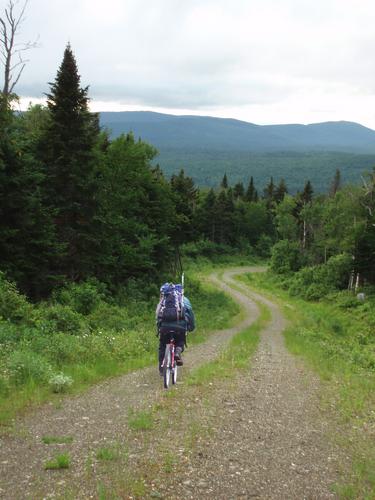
(172,346)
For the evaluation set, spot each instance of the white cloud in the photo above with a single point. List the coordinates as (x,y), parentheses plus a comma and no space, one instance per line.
(261,60)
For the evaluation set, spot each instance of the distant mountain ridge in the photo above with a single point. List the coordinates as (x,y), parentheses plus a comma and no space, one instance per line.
(206,133)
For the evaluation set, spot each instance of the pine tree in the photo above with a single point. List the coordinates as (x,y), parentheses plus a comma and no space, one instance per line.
(185,196)
(224,182)
(205,218)
(70,168)
(251,191)
(307,193)
(27,243)
(239,191)
(336,183)
(281,191)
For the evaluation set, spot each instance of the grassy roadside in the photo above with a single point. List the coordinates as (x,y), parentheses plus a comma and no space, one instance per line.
(337,342)
(113,340)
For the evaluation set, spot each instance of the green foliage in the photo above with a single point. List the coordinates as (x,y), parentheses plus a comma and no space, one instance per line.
(205,248)
(141,420)
(57,439)
(60,383)
(107,453)
(26,365)
(60,318)
(13,305)
(286,257)
(81,297)
(314,283)
(59,462)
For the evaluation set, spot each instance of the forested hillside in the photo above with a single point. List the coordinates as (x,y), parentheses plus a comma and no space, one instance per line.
(209,147)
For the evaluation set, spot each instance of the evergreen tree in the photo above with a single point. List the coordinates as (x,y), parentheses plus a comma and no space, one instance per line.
(281,191)
(136,214)
(251,191)
(205,217)
(307,193)
(185,196)
(70,160)
(239,191)
(269,191)
(224,182)
(27,243)
(336,183)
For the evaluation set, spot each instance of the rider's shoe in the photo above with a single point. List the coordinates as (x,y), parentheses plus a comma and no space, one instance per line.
(178,357)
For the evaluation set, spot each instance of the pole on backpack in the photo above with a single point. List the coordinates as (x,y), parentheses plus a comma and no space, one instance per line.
(183,284)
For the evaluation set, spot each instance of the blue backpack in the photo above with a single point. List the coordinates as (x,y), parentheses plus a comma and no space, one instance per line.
(171,304)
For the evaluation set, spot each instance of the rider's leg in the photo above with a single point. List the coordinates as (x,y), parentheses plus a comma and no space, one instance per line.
(162,343)
(180,346)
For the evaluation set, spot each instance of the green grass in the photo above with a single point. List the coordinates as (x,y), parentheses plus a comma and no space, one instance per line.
(59,462)
(141,420)
(57,439)
(339,345)
(235,357)
(108,453)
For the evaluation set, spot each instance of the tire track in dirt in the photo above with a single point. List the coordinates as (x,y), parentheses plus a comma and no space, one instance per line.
(93,419)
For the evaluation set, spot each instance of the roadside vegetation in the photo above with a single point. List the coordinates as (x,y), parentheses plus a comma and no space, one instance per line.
(84,334)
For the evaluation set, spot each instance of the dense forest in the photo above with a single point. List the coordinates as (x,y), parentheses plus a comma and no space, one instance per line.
(207,167)
(76,205)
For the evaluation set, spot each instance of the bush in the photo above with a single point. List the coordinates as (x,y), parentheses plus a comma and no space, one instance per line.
(286,257)
(264,246)
(316,282)
(59,318)
(26,365)
(60,383)
(109,317)
(81,297)
(13,305)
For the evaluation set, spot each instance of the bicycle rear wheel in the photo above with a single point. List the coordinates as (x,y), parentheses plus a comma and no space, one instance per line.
(167,366)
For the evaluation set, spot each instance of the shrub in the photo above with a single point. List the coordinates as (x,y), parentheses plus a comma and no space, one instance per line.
(81,297)
(60,348)
(59,318)
(13,305)
(26,365)
(264,246)
(60,383)
(285,257)
(110,317)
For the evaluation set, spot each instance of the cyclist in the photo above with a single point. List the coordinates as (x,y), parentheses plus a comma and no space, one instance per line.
(177,327)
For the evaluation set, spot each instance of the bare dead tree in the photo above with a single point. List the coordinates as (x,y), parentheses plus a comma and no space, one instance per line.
(12,53)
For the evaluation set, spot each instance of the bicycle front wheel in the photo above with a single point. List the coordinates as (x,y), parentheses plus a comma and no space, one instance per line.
(167,366)
(174,374)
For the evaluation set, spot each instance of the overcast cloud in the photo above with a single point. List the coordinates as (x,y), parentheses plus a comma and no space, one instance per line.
(263,61)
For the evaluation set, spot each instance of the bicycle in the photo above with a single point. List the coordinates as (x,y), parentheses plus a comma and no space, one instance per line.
(169,365)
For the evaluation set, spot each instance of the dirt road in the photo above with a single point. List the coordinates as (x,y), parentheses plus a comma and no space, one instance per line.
(268,439)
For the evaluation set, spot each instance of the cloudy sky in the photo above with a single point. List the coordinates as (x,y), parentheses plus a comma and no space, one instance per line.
(263,61)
